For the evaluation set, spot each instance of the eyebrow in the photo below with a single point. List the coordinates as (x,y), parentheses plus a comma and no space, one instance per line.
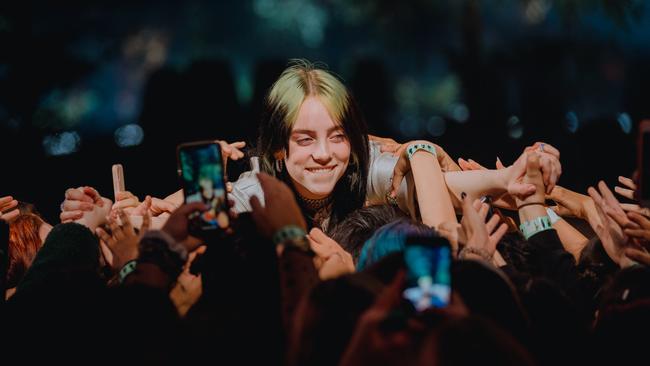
(307,132)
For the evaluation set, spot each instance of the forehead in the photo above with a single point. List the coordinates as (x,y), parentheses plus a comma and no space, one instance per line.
(314,116)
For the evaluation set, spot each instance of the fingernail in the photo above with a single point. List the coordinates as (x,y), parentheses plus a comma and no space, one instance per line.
(463,195)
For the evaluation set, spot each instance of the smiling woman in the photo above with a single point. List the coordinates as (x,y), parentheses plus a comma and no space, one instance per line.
(313,137)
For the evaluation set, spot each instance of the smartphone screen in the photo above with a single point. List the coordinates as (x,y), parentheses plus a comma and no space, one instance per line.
(428,279)
(202,176)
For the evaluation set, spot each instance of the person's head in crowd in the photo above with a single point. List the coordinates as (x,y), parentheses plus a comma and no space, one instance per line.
(469,341)
(361,224)
(26,236)
(516,251)
(326,317)
(487,292)
(624,316)
(313,137)
(391,238)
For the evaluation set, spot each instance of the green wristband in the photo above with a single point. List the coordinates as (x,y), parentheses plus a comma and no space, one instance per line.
(286,233)
(536,225)
(415,147)
(128,268)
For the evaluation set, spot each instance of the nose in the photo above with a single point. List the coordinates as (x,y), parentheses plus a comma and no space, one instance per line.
(321,153)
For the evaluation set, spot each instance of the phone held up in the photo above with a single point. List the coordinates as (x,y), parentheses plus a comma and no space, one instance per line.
(428,278)
(201,171)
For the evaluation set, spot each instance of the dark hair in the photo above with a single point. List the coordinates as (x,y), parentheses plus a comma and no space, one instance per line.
(391,238)
(297,82)
(361,224)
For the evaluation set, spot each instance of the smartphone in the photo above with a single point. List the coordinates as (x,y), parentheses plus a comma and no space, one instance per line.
(118,179)
(643,163)
(428,278)
(200,167)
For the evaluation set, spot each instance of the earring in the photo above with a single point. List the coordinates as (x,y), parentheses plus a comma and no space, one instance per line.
(278,165)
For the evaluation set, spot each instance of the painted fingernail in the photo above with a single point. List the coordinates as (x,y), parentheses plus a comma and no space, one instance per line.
(463,195)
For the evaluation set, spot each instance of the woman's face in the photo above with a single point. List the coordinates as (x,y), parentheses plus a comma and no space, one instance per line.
(319,151)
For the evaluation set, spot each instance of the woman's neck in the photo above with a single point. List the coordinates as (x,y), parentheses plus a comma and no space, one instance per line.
(314,204)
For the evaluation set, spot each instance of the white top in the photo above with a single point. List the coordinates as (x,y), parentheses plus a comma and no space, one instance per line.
(380,173)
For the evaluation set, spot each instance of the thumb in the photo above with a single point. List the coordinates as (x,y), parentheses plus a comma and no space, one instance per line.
(395,183)
(522,190)
(532,165)
(255,204)
(499,164)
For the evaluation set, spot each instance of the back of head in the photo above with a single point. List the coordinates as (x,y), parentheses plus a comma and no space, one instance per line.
(471,341)
(24,243)
(361,224)
(391,238)
(487,292)
(327,317)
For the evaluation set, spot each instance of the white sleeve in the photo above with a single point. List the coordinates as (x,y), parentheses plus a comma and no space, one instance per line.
(380,174)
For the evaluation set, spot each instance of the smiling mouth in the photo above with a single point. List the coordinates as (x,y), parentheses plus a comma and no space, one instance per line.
(321,169)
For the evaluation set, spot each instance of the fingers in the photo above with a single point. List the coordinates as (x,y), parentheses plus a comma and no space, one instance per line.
(643,234)
(159,206)
(464,164)
(608,196)
(94,195)
(627,193)
(499,164)
(10,216)
(395,183)
(126,221)
(103,235)
(126,203)
(7,203)
(146,223)
(69,205)
(638,256)
(492,223)
(78,194)
(641,220)
(498,235)
(483,211)
(547,148)
(629,183)
(67,216)
(256,205)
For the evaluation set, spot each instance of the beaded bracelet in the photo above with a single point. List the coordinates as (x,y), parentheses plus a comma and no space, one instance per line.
(288,232)
(473,250)
(536,225)
(415,147)
(127,269)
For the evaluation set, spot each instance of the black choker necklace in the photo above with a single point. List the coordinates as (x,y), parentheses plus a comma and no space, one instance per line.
(315,204)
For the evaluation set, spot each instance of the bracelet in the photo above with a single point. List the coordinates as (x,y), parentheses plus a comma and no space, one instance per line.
(536,225)
(288,232)
(415,147)
(530,204)
(474,250)
(552,216)
(300,244)
(127,269)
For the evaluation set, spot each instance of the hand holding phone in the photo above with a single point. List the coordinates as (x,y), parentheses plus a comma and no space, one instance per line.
(202,178)
(428,278)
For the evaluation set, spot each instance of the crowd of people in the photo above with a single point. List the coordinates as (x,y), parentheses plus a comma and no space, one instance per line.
(312,269)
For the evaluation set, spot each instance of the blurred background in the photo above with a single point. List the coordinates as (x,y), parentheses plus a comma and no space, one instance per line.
(85,84)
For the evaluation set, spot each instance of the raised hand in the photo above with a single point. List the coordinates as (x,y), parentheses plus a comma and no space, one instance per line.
(479,234)
(630,193)
(77,201)
(331,260)
(280,207)
(123,241)
(8,209)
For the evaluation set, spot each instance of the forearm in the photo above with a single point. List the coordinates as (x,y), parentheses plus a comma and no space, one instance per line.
(432,194)
(176,198)
(572,240)
(476,183)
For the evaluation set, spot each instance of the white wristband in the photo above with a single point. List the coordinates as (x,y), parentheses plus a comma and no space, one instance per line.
(552,216)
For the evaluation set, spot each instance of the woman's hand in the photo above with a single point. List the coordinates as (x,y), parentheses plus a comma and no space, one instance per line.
(231,151)
(8,209)
(80,200)
(630,193)
(123,242)
(331,260)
